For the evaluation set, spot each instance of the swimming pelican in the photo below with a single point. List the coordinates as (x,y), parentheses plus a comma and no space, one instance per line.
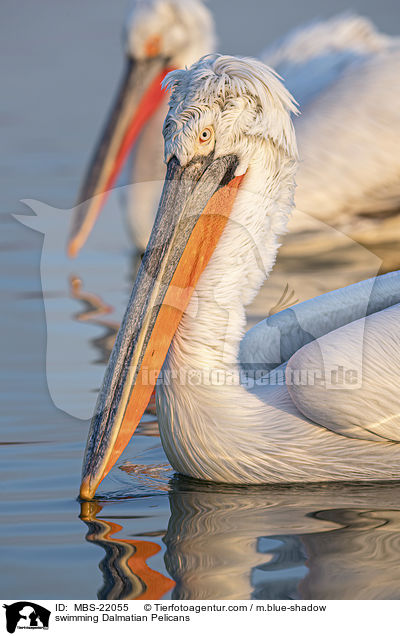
(231,154)
(341,71)
(159,35)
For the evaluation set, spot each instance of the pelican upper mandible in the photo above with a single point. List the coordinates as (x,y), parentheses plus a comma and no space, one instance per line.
(231,155)
(343,73)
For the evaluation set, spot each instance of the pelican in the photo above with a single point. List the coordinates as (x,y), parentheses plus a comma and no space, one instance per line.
(343,73)
(231,158)
(159,35)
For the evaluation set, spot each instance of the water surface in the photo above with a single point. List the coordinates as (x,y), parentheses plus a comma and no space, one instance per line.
(150,533)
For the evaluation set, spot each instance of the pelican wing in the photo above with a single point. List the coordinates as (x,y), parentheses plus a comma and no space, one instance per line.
(344,75)
(356,393)
(347,141)
(274,340)
(311,57)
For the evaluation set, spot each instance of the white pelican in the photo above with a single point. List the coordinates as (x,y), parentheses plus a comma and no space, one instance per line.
(159,35)
(343,73)
(231,157)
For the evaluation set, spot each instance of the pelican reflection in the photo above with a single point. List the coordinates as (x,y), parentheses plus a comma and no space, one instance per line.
(126,574)
(222,542)
(321,542)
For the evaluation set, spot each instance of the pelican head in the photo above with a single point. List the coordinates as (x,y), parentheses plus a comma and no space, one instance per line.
(228,122)
(159,35)
(179,30)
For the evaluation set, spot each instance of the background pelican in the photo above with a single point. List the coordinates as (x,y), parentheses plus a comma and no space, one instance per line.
(342,72)
(231,158)
(158,35)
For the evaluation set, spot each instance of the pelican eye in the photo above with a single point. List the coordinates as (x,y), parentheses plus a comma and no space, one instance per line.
(205,135)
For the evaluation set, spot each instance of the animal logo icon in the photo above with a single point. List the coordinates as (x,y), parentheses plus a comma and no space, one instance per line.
(26,615)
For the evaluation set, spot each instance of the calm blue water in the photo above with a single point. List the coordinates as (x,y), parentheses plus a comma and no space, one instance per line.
(150,533)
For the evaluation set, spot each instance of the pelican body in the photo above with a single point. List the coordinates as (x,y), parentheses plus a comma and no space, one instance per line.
(343,73)
(231,159)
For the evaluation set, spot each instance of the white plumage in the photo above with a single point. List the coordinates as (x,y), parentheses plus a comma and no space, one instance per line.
(343,73)
(215,423)
(184,28)
(226,431)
